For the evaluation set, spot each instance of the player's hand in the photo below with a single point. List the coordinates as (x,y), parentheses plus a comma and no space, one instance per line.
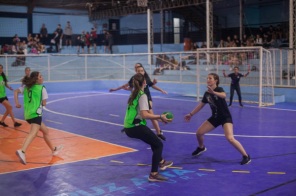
(210,90)
(161,136)
(18,105)
(164,92)
(154,81)
(187,117)
(164,119)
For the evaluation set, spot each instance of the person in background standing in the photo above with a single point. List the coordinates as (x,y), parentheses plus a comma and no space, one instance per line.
(59,31)
(68,34)
(110,42)
(43,35)
(94,38)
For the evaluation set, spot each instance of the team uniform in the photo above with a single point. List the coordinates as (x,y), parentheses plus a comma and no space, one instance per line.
(220,111)
(2,90)
(235,78)
(135,127)
(33,103)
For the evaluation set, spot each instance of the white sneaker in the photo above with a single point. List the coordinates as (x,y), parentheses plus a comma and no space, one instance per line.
(22,156)
(57,150)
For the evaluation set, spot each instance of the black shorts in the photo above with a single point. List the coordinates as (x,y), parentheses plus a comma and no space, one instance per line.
(3,99)
(68,37)
(37,120)
(219,121)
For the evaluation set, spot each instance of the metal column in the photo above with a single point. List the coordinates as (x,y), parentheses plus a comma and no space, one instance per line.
(209,22)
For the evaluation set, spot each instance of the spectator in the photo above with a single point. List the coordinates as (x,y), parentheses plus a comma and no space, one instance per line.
(87,41)
(81,41)
(54,42)
(236,41)
(244,40)
(110,42)
(15,39)
(94,38)
(105,41)
(59,38)
(68,34)
(43,35)
(258,40)
(221,44)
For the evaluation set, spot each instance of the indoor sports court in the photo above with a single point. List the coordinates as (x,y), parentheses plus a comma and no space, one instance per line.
(98,159)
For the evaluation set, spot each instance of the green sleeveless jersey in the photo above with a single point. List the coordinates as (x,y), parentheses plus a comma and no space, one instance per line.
(2,87)
(132,112)
(33,101)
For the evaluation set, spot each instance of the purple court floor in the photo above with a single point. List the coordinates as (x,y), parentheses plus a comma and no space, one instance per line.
(268,135)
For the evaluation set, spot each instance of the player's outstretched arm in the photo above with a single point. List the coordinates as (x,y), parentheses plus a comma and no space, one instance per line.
(159,89)
(119,88)
(194,111)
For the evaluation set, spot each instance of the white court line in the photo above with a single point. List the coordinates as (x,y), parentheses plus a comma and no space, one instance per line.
(121,125)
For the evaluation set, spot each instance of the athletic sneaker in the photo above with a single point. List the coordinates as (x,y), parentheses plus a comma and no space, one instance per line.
(245,160)
(3,124)
(16,124)
(57,150)
(156,178)
(241,105)
(161,136)
(165,164)
(198,151)
(22,156)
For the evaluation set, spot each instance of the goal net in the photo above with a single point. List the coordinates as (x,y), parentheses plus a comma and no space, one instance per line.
(257,87)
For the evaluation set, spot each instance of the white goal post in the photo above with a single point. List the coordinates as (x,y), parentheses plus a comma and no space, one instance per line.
(257,87)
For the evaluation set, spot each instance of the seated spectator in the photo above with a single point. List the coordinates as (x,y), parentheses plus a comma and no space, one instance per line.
(228,42)
(15,39)
(258,40)
(244,40)
(236,41)
(221,44)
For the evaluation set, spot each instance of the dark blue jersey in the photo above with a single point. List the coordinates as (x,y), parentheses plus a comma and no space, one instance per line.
(146,89)
(218,105)
(235,78)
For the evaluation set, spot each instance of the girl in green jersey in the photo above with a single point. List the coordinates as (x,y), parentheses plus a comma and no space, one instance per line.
(35,96)
(4,99)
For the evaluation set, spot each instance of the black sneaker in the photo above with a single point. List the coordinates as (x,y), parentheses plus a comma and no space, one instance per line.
(245,160)
(198,151)
(229,105)
(241,105)
(161,136)
(16,124)
(3,124)
(165,164)
(156,178)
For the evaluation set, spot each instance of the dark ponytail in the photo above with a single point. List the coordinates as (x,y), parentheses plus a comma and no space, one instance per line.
(138,81)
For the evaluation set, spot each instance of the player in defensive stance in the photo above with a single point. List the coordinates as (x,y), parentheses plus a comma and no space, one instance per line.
(215,96)
(135,126)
